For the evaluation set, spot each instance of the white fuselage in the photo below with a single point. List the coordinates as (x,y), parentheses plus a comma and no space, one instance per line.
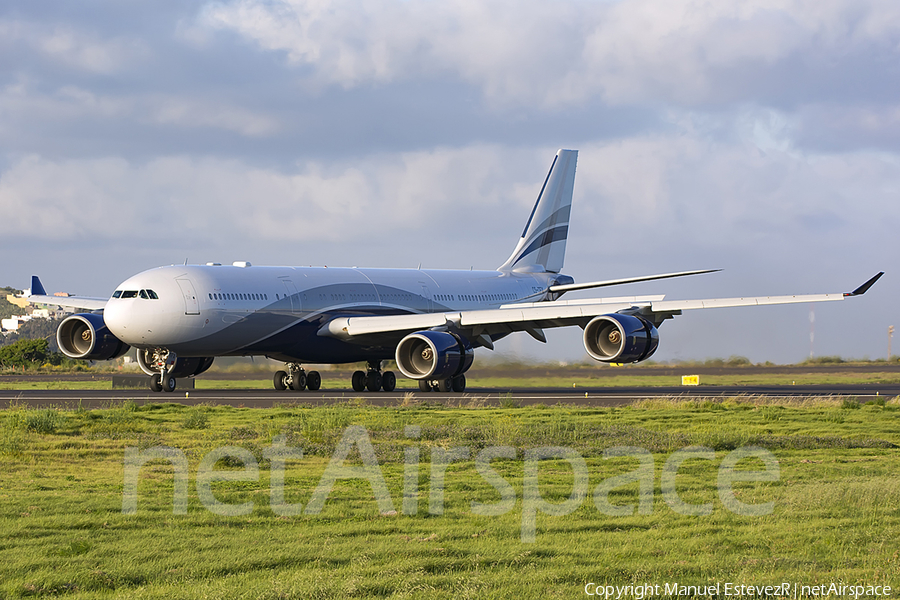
(215,310)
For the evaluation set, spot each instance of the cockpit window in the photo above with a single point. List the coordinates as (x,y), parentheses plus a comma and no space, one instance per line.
(152,295)
(144,295)
(117,294)
(129,294)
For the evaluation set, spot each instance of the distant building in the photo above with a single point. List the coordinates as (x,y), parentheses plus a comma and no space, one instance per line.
(13,323)
(20,302)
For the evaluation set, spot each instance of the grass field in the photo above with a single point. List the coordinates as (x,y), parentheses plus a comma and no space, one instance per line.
(836,515)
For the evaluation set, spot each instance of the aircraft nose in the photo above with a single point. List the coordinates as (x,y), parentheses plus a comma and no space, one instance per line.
(115,316)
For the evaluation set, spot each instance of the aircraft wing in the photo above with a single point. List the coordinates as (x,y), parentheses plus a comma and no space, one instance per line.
(39,296)
(533,317)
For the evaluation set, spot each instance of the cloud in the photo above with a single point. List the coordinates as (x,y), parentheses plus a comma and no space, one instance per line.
(73,48)
(75,199)
(72,104)
(689,52)
(636,196)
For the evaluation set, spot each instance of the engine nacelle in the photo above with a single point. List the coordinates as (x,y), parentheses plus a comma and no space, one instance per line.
(619,338)
(434,355)
(85,336)
(182,367)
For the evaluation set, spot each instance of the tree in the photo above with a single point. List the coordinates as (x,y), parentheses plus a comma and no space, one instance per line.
(35,329)
(25,353)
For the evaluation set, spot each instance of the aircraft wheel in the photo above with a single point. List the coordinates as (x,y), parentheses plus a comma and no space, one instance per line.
(155,385)
(313,381)
(373,381)
(280,380)
(459,383)
(168,384)
(424,386)
(298,381)
(358,381)
(444,385)
(388,381)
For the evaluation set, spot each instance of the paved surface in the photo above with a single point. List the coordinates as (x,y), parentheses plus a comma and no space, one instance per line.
(595,396)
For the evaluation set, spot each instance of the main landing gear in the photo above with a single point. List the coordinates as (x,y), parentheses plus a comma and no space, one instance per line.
(373,379)
(453,384)
(295,378)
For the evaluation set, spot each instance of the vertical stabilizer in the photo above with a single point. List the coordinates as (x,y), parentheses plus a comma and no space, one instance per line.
(542,247)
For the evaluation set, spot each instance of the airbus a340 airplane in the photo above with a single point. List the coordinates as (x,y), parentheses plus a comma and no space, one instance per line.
(179,318)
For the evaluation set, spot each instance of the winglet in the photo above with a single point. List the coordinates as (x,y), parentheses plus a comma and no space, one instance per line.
(864,287)
(37,289)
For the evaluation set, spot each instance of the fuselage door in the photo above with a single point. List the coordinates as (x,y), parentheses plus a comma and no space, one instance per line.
(191,304)
(292,293)
(426,295)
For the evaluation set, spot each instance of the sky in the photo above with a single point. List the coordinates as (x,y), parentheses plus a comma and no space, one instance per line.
(761,137)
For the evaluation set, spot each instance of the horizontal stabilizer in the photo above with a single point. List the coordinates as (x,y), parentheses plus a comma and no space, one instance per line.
(570,287)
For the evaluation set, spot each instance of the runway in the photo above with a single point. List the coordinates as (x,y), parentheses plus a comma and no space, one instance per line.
(586,396)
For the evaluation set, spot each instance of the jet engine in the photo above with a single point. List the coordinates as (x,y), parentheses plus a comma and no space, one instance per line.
(85,336)
(434,355)
(149,362)
(620,338)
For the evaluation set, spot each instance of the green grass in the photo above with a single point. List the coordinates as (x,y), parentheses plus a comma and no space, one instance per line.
(836,516)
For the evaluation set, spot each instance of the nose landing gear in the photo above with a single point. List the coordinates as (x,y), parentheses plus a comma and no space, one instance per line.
(162,383)
(164,360)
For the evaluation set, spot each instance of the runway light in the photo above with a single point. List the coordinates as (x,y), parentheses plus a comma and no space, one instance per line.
(186,394)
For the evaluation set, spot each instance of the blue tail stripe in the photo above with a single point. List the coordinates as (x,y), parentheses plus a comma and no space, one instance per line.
(551,235)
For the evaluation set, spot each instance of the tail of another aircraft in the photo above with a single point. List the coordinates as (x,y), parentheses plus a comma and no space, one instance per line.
(542,247)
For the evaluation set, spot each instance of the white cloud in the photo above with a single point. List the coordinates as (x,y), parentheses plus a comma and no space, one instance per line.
(70,103)
(192,113)
(113,199)
(73,48)
(661,188)
(558,53)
